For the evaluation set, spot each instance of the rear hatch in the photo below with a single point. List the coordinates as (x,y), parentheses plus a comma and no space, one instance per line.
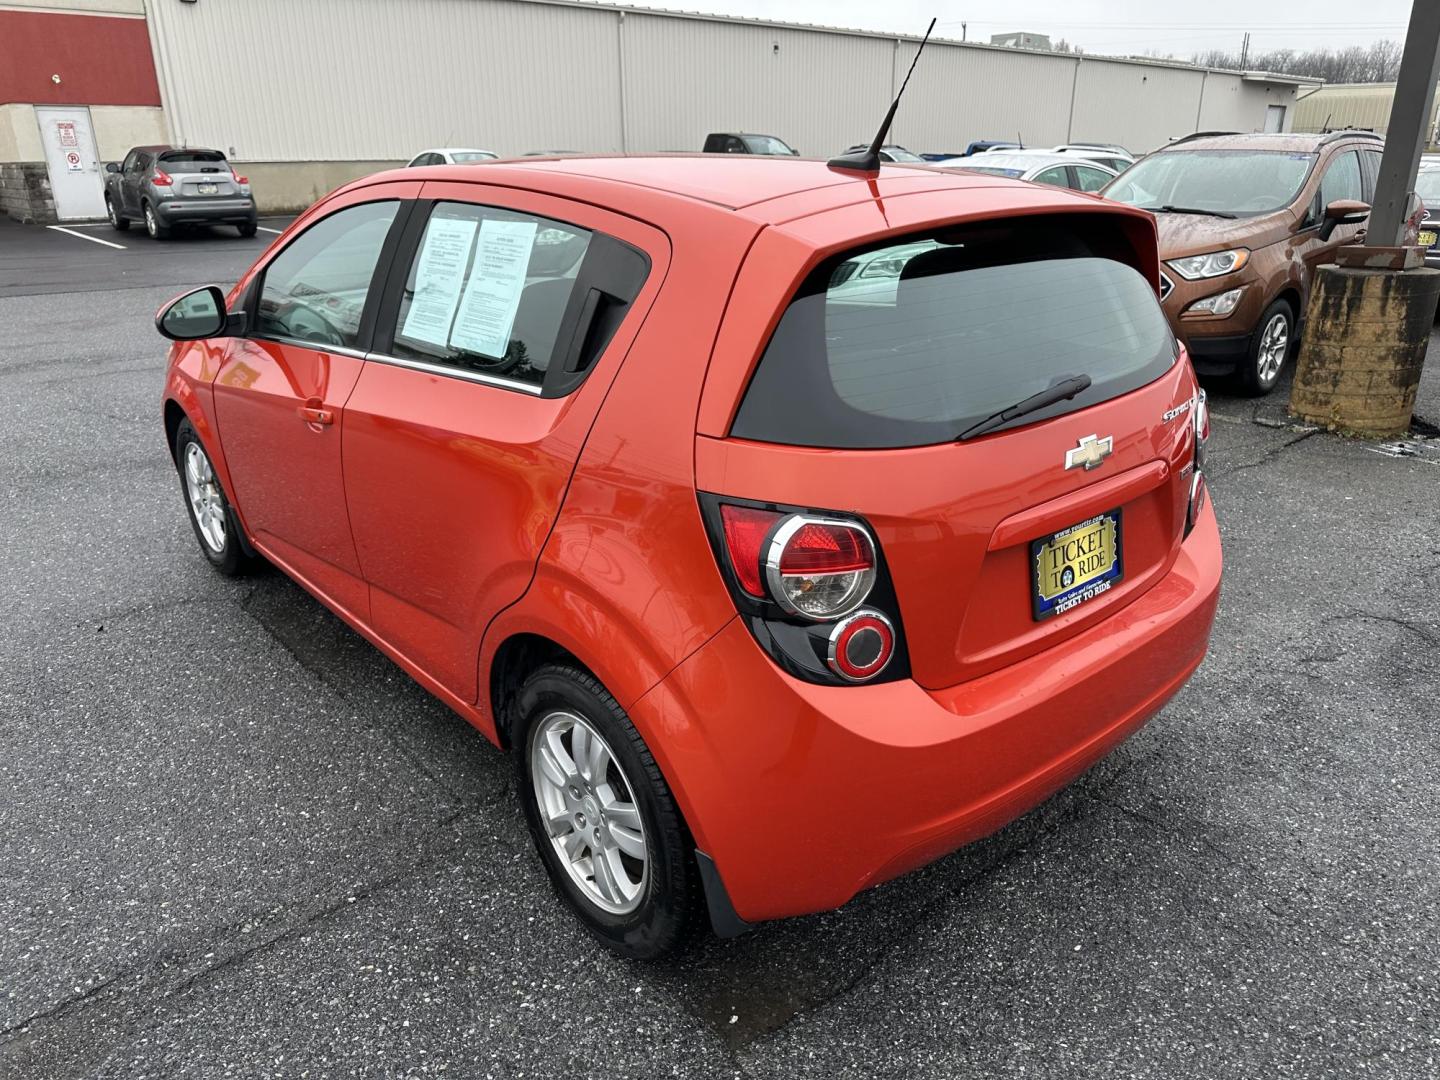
(886,355)
(199,174)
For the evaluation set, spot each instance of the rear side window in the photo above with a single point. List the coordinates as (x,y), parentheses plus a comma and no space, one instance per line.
(912,343)
(509,295)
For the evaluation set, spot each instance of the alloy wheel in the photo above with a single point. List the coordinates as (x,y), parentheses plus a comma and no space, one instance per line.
(150,225)
(1274,344)
(110,212)
(587,808)
(207,505)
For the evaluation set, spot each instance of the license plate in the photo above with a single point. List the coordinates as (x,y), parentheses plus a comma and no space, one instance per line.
(1075,564)
(207,189)
(1427,238)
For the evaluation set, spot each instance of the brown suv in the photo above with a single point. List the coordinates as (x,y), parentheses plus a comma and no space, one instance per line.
(1244,220)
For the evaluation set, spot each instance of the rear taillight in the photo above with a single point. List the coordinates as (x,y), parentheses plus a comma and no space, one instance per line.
(1200,412)
(745,531)
(812,588)
(819,568)
(238,178)
(161,178)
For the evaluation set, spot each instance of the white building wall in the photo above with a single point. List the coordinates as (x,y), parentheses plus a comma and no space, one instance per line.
(369,81)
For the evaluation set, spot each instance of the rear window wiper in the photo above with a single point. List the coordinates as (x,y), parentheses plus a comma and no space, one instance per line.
(1060,391)
(1167,209)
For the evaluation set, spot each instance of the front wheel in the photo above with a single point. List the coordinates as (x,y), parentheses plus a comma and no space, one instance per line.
(215,525)
(607,828)
(1269,349)
(118,221)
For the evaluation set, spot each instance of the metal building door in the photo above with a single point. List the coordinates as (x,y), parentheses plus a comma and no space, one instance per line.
(73,164)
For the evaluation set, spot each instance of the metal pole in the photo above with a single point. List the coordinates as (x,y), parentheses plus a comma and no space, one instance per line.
(1405,138)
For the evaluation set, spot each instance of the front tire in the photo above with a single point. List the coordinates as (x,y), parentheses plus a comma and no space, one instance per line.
(1269,350)
(216,527)
(604,822)
(118,221)
(153,225)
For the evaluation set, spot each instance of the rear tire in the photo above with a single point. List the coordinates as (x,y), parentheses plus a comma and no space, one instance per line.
(216,528)
(153,225)
(613,795)
(1270,350)
(247,230)
(118,221)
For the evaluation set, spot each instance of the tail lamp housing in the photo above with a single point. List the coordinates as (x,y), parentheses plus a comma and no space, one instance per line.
(812,587)
(1200,413)
(161,178)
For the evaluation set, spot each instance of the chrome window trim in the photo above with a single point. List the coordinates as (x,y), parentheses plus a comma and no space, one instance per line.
(455,373)
(313,346)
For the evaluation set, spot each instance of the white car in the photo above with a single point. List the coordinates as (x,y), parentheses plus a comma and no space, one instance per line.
(451,156)
(1041,166)
(1109,155)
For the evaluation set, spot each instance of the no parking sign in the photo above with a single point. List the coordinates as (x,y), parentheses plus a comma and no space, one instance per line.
(72,161)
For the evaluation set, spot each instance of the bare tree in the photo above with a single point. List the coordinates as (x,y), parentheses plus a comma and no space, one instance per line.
(1377,62)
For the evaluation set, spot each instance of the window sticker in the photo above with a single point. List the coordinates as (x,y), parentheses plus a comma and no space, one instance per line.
(438,278)
(492,295)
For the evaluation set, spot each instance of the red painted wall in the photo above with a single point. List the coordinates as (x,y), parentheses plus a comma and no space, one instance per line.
(101,60)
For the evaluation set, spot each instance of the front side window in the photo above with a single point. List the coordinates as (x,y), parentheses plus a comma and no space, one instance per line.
(912,343)
(460,157)
(1341,180)
(132,162)
(767,144)
(1239,183)
(315,290)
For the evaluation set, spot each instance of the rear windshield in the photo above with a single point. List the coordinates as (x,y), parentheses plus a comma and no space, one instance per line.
(911,343)
(193,157)
(462,156)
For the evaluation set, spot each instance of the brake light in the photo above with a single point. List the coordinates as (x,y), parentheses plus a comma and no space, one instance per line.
(161,178)
(820,568)
(745,529)
(238,178)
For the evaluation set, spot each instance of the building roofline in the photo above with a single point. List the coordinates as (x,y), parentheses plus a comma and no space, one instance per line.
(884,35)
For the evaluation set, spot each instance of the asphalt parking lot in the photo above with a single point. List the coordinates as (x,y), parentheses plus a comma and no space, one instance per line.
(237,841)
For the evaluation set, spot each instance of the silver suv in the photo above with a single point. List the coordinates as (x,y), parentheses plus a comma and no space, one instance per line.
(166,187)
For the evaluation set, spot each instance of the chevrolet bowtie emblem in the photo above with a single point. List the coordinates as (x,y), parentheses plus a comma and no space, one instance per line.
(1090,453)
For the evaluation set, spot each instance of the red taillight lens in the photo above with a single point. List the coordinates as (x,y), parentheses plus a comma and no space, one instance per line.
(161,178)
(820,568)
(745,529)
(861,646)
(238,178)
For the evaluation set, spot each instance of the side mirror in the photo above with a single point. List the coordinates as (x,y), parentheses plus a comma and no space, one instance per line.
(112,167)
(1343,212)
(197,314)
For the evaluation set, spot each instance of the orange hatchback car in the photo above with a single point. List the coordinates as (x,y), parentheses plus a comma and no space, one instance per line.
(791,527)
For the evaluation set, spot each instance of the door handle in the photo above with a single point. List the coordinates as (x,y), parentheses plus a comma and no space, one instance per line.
(316,416)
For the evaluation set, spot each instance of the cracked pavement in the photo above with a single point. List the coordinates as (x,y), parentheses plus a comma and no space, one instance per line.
(236,841)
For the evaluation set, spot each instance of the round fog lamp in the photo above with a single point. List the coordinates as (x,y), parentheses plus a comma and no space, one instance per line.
(861,645)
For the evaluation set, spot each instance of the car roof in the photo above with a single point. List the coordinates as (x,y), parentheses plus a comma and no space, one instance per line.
(763,188)
(1284,142)
(166,148)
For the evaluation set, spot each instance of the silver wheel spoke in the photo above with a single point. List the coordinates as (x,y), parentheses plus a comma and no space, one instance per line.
(606,878)
(554,769)
(630,841)
(621,813)
(580,747)
(574,845)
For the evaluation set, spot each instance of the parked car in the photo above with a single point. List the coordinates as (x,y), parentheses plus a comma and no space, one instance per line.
(1116,158)
(1427,186)
(451,156)
(1244,221)
(167,187)
(739,142)
(891,154)
(1058,170)
(581,501)
(983,146)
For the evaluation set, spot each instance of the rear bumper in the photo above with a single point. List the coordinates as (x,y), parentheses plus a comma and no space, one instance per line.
(804,795)
(233,211)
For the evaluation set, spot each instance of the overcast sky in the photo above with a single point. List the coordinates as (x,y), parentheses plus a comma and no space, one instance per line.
(1114,26)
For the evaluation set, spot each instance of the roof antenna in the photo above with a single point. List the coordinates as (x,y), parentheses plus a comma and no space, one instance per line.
(868,161)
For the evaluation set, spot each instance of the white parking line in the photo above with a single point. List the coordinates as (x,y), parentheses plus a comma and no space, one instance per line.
(82,236)
(262,228)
